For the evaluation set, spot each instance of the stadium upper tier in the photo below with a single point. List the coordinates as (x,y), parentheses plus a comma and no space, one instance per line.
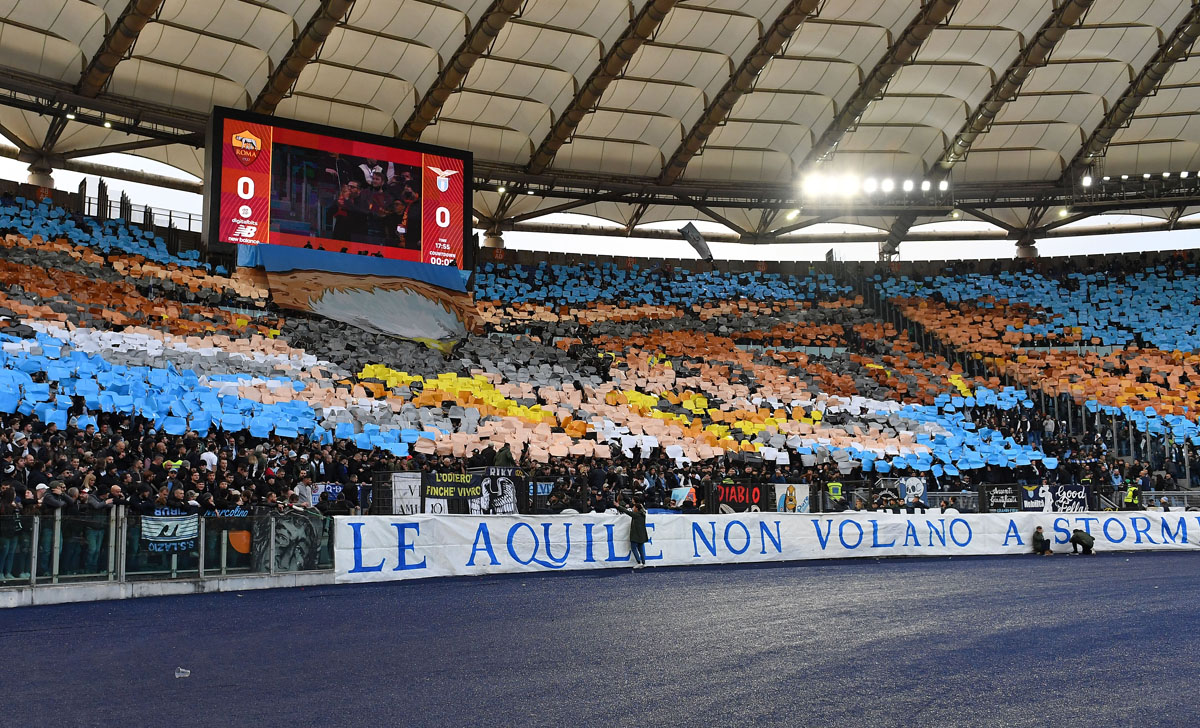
(795,369)
(1153,307)
(643,111)
(576,284)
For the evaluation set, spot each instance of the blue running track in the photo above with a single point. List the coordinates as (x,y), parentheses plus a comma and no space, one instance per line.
(1109,640)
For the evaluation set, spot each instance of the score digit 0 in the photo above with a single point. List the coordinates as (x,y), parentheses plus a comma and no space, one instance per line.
(245,188)
(442,217)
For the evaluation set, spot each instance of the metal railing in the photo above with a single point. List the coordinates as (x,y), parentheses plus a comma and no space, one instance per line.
(143,215)
(120,545)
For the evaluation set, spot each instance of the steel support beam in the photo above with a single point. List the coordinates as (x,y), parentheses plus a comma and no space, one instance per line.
(787,229)
(981,215)
(896,235)
(716,216)
(740,83)
(855,238)
(103,170)
(1173,218)
(1025,237)
(1174,49)
(197,140)
(1033,55)
(117,42)
(1062,221)
(455,71)
(12,137)
(640,29)
(46,96)
(563,207)
(634,221)
(931,14)
(116,45)
(305,47)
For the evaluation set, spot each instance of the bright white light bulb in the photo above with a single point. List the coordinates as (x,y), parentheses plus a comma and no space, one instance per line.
(887,185)
(814,185)
(908,185)
(870,185)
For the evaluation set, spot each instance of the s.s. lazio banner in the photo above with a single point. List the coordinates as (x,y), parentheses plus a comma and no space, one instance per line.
(383,548)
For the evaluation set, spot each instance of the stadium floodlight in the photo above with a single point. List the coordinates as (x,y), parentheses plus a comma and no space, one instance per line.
(908,185)
(870,185)
(943,185)
(925,185)
(1124,176)
(1105,178)
(1166,174)
(1063,212)
(956,214)
(848,186)
(70,115)
(501,189)
(1183,175)
(792,214)
(1087,180)
(1146,175)
(529,192)
(887,185)
(813,185)
(107,124)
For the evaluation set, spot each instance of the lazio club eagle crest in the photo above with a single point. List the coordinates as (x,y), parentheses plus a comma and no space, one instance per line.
(246,147)
(443,177)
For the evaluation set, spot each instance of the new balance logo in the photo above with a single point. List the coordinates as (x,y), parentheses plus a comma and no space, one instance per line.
(245,231)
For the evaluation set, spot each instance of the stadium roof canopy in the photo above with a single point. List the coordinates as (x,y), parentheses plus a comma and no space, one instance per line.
(638,111)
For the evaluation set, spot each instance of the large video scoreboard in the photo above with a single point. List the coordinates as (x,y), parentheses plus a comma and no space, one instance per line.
(285,182)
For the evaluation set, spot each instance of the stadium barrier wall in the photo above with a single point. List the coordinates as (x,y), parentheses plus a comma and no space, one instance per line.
(385,548)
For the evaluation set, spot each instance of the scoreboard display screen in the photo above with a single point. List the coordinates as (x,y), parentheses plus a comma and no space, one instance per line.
(285,182)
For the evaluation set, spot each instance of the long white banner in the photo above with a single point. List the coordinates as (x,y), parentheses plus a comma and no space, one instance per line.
(383,548)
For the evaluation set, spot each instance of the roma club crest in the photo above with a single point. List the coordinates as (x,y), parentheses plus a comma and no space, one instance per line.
(443,177)
(246,147)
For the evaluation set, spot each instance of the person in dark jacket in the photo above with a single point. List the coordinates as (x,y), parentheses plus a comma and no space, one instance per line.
(1041,544)
(53,499)
(637,531)
(1080,538)
(10,526)
(504,457)
(95,514)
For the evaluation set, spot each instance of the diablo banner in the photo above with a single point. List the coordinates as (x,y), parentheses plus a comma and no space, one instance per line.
(735,498)
(382,548)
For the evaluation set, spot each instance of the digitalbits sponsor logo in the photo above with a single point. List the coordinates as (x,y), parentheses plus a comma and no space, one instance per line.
(245,211)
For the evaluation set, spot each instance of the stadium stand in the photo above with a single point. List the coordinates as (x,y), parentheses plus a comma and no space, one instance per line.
(128,367)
